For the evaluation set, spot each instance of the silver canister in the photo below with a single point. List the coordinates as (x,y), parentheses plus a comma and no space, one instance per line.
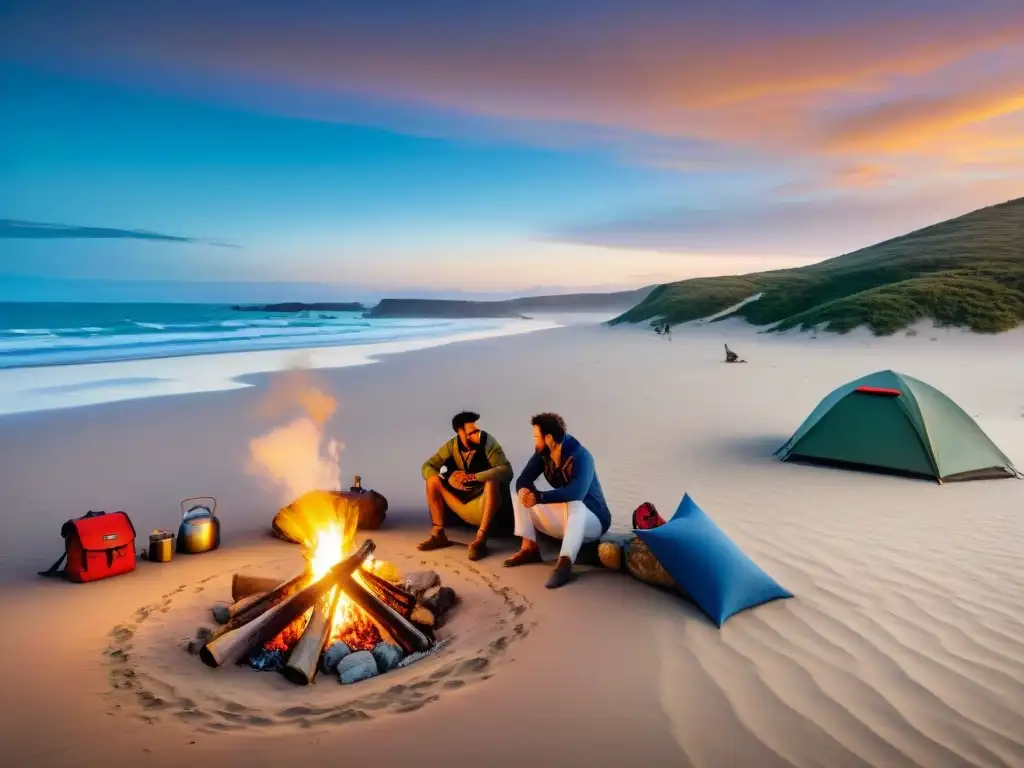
(161,546)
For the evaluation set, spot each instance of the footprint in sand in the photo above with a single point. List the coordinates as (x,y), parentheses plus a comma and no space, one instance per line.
(414,705)
(153,678)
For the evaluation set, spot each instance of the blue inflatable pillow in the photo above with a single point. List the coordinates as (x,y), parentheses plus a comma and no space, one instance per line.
(706,563)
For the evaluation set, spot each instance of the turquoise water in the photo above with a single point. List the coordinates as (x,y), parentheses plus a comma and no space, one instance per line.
(34,334)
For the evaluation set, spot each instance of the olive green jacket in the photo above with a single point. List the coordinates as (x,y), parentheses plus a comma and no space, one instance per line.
(501,468)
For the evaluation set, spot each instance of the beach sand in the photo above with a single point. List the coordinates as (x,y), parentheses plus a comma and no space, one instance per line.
(902,647)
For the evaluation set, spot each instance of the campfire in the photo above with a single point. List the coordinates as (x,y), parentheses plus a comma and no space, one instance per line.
(345,612)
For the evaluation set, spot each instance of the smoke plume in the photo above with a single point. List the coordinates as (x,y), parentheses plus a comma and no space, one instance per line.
(297,457)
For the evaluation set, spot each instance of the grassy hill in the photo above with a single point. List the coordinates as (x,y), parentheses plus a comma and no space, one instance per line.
(966,272)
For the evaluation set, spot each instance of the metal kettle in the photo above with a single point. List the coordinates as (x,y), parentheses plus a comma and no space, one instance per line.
(200,527)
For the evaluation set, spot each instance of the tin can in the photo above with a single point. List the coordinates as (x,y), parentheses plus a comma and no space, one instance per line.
(161,546)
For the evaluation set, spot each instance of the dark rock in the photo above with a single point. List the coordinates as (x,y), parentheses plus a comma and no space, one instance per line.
(333,656)
(441,602)
(195,646)
(221,613)
(203,633)
(357,666)
(387,655)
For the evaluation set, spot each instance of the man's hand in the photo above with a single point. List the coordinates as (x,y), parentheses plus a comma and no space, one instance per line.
(527,497)
(458,480)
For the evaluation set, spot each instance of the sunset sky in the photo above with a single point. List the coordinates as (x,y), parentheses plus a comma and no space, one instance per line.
(492,147)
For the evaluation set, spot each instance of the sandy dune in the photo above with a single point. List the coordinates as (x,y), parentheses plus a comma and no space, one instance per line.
(902,647)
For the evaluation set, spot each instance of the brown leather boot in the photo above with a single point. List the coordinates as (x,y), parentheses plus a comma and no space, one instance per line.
(437,540)
(524,557)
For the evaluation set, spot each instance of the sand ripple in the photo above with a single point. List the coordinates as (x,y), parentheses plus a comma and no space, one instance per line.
(904,647)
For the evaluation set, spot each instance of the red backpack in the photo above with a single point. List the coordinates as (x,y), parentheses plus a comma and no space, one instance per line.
(96,545)
(646,517)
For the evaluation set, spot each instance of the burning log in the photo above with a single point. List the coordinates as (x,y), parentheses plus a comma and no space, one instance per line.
(387,618)
(269,600)
(231,646)
(225,613)
(396,597)
(305,656)
(243,585)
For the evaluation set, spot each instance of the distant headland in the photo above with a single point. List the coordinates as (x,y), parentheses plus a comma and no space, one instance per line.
(458,309)
(297,306)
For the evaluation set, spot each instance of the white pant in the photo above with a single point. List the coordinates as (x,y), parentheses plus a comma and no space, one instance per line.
(569,521)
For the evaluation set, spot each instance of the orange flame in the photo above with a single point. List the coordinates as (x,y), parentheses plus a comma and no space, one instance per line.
(332,543)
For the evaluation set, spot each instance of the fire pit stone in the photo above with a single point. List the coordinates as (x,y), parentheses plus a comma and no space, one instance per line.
(387,656)
(418,582)
(357,666)
(333,656)
(440,602)
(201,636)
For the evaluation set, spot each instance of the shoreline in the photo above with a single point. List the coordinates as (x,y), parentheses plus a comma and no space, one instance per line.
(899,647)
(731,330)
(239,365)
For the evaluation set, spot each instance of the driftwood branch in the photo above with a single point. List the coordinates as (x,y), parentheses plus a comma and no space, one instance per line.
(259,607)
(243,585)
(304,660)
(232,646)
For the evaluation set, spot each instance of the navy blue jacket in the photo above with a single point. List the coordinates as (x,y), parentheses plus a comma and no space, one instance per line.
(575,480)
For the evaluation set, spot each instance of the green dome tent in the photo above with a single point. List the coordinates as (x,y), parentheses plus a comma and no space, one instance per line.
(891,422)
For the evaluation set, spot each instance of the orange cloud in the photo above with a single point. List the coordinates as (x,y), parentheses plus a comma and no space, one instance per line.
(681,89)
(916,122)
(848,177)
(652,70)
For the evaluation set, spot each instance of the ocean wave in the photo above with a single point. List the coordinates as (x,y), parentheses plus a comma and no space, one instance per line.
(73,346)
(71,342)
(66,334)
(267,322)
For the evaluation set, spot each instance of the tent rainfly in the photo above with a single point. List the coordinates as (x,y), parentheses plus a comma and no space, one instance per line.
(894,423)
